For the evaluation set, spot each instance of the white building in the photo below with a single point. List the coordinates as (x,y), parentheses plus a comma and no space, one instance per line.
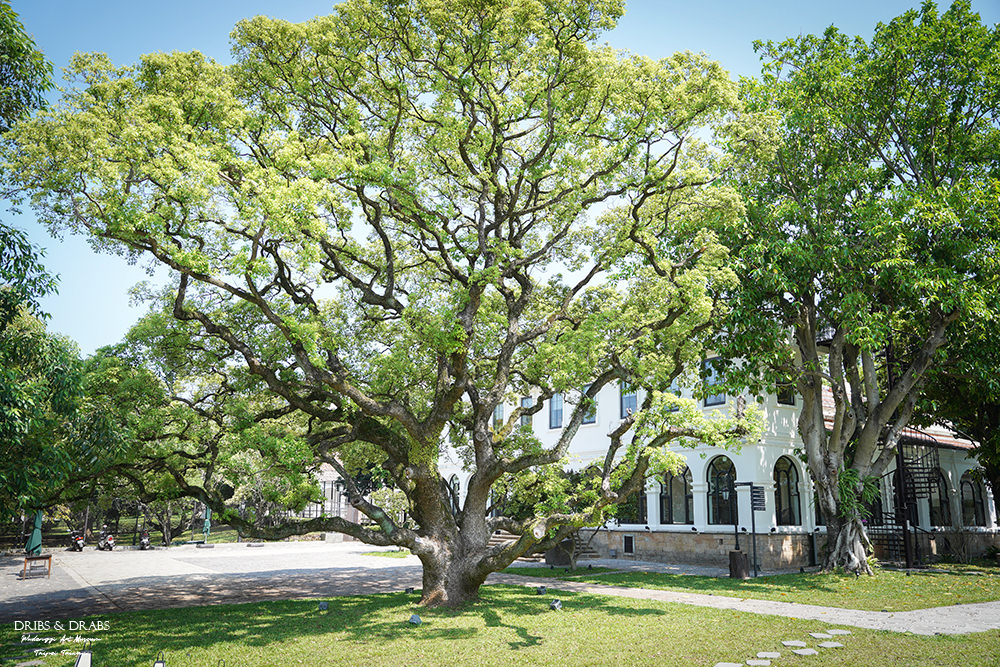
(690,517)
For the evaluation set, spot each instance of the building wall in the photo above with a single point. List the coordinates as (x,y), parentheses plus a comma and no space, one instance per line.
(779,546)
(774,552)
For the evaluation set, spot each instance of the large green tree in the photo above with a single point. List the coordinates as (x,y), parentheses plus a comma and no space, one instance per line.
(964,392)
(402,215)
(24,73)
(869,236)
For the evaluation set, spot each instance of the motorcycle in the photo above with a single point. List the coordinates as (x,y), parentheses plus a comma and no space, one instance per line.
(144,540)
(76,541)
(107,541)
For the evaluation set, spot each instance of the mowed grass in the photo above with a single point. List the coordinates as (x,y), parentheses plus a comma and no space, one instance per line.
(395,553)
(887,590)
(509,625)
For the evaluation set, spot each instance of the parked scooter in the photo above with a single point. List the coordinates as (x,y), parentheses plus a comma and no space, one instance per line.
(144,540)
(106,542)
(76,541)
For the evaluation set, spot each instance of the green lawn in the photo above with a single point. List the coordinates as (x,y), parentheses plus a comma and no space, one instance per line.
(398,553)
(508,626)
(888,590)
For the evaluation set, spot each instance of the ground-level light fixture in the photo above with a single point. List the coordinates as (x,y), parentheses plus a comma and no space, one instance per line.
(85,657)
(555,605)
(160,661)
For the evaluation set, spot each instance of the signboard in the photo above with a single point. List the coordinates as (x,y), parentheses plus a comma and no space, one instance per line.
(757,502)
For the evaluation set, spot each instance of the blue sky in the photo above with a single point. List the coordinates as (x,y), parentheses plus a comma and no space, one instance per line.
(93,307)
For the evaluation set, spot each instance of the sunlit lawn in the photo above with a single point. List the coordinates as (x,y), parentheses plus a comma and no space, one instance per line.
(395,553)
(888,590)
(508,626)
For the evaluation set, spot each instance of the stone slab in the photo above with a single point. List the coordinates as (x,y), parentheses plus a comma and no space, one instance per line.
(820,635)
(729,664)
(838,632)
(769,654)
(805,651)
(830,645)
(759,663)
(793,642)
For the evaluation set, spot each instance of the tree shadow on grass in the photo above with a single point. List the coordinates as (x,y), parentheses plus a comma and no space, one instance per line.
(136,638)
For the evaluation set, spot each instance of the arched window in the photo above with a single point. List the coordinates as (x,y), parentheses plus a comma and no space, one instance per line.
(940,506)
(676,498)
(633,510)
(722,505)
(786,493)
(456,490)
(973,510)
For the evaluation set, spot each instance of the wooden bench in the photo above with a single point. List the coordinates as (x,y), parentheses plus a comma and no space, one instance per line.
(32,562)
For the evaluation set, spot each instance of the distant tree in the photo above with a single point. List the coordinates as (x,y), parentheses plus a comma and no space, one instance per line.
(39,390)
(870,237)
(25,75)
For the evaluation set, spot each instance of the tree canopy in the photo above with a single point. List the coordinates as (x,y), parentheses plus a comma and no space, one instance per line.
(400,216)
(870,236)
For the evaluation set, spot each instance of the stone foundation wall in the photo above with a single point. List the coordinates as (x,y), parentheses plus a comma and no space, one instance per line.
(774,551)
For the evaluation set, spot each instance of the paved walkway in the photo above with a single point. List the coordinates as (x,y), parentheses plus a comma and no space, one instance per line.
(101,582)
(953,620)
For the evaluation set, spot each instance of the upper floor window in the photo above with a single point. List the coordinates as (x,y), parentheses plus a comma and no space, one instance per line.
(498,417)
(526,404)
(628,400)
(590,413)
(711,373)
(555,410)
(785,393)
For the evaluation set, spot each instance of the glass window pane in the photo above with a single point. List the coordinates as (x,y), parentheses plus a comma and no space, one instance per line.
(628,400)
(590,416)
(526,402)
(555,411)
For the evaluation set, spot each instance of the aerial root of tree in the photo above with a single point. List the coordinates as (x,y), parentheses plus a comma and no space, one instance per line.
(850,550)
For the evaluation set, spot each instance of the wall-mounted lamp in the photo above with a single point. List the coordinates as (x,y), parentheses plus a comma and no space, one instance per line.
(693,529)
(774,530)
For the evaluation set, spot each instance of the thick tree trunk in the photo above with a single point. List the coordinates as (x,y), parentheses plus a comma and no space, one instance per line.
(848,546)
(450,579)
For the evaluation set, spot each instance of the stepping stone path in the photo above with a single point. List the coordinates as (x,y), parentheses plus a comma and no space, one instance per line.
(798,647)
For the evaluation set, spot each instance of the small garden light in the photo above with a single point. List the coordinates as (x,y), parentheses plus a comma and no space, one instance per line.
(555,605)
(160,661)
(85,657)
